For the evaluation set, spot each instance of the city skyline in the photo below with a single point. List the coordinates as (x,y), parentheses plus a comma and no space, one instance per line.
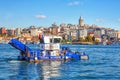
(24,13)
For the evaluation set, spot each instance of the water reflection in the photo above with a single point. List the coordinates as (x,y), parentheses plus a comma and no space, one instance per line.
(38,71)
(51,69)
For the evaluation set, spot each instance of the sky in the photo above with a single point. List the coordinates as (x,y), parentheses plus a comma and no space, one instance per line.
(25,13)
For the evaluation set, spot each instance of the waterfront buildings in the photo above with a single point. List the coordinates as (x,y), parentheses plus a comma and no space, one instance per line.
(70,32)
(2,30)
(54,29)
(81,33)
(10,32)
(18,32)
(33,31)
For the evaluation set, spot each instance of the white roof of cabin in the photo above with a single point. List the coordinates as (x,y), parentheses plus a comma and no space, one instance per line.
(47,38)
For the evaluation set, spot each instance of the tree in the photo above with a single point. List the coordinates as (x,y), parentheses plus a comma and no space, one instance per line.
(96,41)
(89,38)
(0,35)
(81,39)
(63,41)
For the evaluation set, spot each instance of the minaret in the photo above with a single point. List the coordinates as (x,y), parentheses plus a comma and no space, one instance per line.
(81,24)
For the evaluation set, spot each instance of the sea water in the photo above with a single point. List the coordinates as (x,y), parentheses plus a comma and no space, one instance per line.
(103,64)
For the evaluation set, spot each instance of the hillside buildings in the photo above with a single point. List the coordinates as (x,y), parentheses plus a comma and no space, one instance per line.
(71,32)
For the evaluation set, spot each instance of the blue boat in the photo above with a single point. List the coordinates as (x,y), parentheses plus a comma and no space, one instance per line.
(49,49)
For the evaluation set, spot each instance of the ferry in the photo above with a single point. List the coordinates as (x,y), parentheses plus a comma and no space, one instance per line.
(49,49)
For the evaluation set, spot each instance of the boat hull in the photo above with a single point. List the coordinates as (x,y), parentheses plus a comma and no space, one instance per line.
(55,58)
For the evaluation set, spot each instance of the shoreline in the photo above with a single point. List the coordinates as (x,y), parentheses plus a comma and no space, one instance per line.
(79,43)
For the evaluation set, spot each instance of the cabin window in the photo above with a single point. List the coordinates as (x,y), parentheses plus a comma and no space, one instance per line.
(57,40)
(50,40)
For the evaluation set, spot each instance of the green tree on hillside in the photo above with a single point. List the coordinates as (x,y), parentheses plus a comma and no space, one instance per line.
(81,39)
(96,42)
(89,39)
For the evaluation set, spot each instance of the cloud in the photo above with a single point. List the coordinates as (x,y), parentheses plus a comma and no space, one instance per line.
(100,20)
(74,3)
(40,16)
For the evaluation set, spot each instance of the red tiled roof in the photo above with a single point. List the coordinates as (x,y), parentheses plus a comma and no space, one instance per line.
(96,37)
(91,32)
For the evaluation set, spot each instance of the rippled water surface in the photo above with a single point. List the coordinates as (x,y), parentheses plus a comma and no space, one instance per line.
(103,64)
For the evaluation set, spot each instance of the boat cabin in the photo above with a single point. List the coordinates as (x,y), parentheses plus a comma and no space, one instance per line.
(50,43)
